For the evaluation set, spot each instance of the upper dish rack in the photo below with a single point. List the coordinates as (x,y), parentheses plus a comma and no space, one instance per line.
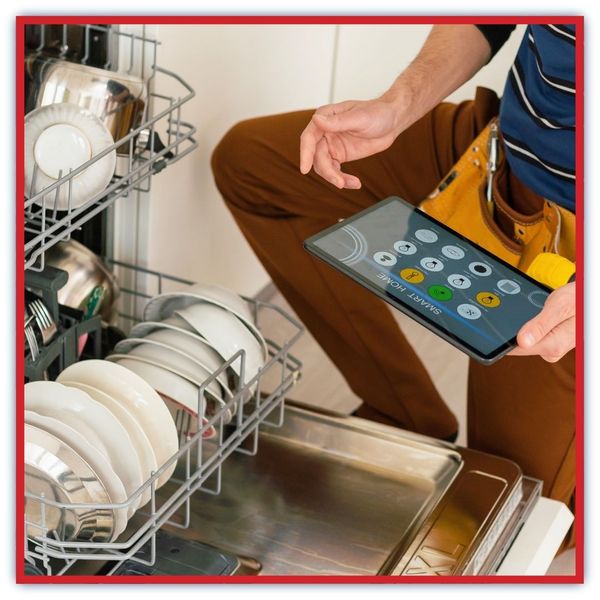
(140,153)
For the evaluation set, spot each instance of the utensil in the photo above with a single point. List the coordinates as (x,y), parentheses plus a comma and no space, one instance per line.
(30,339)
(164,305)
(54,470)
(42,317)
(227,334)
(117,99)
(214,403)
(87,272)
(98,425)
(172,388)
(80,136)
(139,439)
(139,397)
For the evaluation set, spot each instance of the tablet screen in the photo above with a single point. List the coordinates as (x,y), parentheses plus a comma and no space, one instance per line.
(456,287)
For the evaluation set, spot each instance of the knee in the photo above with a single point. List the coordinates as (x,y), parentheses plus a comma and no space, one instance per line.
(235,155)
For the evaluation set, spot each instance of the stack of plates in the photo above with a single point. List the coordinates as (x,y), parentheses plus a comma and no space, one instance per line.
(184,338)
(93,437)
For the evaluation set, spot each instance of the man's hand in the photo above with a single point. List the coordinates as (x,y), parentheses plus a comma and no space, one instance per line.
(346,131)
(551,334)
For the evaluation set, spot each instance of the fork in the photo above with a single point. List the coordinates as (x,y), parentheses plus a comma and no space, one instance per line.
(45,322)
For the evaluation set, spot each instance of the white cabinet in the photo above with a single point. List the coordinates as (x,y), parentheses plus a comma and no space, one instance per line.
(238,71)
(370,57)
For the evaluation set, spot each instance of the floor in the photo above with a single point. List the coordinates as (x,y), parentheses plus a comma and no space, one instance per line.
(322,385)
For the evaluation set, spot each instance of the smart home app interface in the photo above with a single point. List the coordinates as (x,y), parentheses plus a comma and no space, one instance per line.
(423,266)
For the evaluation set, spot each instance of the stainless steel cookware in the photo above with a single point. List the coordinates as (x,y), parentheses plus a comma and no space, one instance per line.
(117,99)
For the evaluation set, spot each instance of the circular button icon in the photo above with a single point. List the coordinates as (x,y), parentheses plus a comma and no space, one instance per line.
(468,311)
(412,275)
(440,292)
(406,248)
(537,298)
(488,299)
(432,264)
(385,258)
(460,282)
(479,268)
(426,235)
(453,252)
(508,286)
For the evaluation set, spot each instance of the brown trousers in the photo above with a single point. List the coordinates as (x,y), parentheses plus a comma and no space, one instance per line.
(522,408)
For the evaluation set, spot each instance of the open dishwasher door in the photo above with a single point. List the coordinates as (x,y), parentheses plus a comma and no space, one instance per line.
(329,495)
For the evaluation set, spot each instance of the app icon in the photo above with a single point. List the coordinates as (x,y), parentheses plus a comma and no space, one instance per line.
(403,247)
(488,299)
(537,298)
(453,252)
(426,235)
(479,268)
(508,286)
(412,275)
(440,292)
(432,264)
(386,259)
(468,311)
(458,281)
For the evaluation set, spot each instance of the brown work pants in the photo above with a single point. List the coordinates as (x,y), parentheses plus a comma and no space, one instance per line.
(522,408)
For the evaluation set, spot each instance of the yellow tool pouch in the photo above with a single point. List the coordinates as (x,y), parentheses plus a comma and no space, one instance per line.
(468,198)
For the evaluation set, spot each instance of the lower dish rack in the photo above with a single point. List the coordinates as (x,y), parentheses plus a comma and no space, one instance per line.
(259,402)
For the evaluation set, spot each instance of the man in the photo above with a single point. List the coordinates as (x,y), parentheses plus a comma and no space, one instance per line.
(403,143)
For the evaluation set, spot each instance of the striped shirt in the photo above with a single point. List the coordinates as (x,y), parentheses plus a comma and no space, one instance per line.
(537,113)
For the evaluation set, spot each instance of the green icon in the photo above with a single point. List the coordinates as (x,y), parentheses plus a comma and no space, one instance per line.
(440,292)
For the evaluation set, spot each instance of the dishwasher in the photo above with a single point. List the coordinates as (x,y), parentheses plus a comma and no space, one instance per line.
(283,488)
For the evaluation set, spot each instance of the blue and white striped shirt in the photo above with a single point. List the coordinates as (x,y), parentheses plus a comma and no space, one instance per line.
(537,113)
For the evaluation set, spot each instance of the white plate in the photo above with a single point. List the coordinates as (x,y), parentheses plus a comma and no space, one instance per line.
(189,342)
(172,359)
(78,410)
(226,334)
(63,137)
(95,459)
(139,398)
(213,403)
(164,305)
(172,388)
(138,437)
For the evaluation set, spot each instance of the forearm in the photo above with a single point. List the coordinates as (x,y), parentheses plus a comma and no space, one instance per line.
(451,55)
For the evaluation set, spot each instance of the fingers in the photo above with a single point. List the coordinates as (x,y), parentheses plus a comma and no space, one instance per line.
(330,168)
(554,345)
(316,129)
(550,334)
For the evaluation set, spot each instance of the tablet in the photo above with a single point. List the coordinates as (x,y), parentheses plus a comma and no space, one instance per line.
(433,274)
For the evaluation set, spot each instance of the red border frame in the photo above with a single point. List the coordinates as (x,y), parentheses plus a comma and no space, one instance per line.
(21,21)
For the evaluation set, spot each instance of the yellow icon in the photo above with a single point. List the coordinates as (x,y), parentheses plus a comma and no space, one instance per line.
(412,275)
(488,299)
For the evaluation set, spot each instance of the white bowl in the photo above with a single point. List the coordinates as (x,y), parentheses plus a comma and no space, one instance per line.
(139,398)
(138,437)
(226,334)
(78,410)
(180,392)
(213,403)
(189,342)
(62,137)
(92,456)
(165,305)
(172,359)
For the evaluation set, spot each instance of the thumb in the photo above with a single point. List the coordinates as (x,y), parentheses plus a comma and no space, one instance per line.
(556,310)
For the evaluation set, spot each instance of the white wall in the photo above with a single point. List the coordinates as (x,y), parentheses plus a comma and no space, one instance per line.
(244,71)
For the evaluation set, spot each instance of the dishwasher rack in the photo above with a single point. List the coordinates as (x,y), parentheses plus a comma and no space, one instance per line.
(198,461)
(140,154)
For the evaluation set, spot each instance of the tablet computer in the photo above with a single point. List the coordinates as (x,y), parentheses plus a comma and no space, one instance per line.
(433,274)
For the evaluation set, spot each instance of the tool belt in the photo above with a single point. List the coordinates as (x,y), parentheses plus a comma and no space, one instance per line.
(468,199)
